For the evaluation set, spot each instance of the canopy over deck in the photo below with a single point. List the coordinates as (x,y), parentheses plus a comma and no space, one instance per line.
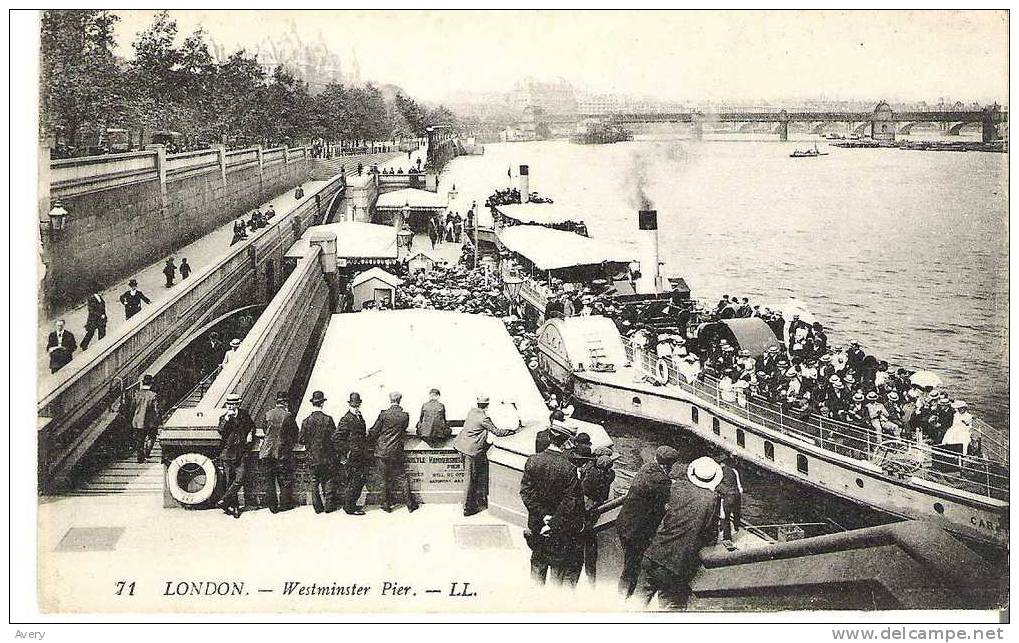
(414,198)
(541,213)
(551,249)
(412,351)
(749,333)
(354,240)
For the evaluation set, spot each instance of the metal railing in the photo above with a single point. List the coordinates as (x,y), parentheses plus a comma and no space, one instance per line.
(900,457)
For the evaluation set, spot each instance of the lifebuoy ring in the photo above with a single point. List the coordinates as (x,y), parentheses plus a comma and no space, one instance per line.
(662,371)
(191,478)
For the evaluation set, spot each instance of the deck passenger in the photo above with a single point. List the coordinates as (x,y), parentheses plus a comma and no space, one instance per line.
(642,512)
(730,490)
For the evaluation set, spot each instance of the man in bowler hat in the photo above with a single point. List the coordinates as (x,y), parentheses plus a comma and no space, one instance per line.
(317,435)
(351,440)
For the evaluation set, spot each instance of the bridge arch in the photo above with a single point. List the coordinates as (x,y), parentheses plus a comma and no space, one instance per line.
(955,129)
(907,128)
(860,129)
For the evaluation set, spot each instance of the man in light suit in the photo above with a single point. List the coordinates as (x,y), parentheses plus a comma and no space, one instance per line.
(472,442)
(432,426)
(276,452)
(61,346)
(350,441)
(388,433)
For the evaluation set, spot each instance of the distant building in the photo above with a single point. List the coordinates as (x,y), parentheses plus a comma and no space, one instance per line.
(556,100)
(311,61)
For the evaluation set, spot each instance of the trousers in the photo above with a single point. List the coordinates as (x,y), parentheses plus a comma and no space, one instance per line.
(476,483)
(322,498)
(395,473)
(632,555)
(357,474)
(234,472)
(731,504)
(673,590)
(279,474)
(91,328)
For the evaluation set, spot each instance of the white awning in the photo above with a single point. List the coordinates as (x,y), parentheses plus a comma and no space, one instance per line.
(354,240)
(551,249)
(416,199)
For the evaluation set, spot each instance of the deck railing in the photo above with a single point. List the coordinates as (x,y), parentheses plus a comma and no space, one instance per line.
(901,456)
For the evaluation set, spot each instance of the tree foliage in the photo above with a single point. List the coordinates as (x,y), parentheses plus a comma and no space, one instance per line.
(175,83)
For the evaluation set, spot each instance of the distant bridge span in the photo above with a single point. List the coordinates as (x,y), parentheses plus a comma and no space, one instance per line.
(882,122)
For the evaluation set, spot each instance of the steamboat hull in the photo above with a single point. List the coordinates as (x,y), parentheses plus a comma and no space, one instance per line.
(968,515)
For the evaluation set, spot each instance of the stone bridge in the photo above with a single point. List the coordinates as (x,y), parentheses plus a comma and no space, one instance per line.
(881,124)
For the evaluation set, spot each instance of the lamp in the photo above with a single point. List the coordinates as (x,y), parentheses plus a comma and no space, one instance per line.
(57,219)
(512,284)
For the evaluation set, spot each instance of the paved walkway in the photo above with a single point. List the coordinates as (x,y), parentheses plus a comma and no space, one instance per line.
(200,255)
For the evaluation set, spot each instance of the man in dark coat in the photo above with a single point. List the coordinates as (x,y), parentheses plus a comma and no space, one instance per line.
(351,440)
(596,478)
(236,430)
(642,512)
(432,426)
(388,434)
(170,271)
(276,452)
(132,299)
(185,268)
(144,412)
(61,346)
(547,481)
(690,523)
(96,322)
(730,491)
(317,435)
(472,443)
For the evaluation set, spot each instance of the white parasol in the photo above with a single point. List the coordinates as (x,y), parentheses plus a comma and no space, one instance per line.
(925,379)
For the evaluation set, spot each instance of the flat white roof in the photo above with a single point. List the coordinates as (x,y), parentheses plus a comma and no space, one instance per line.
(354,240)
(551,249)
(413,197)
(411,351)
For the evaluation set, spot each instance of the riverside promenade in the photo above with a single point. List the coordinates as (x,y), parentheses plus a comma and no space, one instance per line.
(200,254)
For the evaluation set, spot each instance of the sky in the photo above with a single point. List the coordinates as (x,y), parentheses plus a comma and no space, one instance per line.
(867,55)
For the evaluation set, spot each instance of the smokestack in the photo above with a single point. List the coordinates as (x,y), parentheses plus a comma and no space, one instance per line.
(525,184)
(650,282)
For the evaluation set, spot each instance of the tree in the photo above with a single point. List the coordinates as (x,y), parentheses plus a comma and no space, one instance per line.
(79,75)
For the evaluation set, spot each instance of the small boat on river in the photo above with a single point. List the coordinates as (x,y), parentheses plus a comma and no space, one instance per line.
(807,153)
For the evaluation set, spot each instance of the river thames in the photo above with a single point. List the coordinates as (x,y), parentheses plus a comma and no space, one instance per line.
(905,251)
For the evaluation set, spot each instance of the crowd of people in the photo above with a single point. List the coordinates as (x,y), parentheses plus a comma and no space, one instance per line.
(806,376)
(511,196)
(256,221)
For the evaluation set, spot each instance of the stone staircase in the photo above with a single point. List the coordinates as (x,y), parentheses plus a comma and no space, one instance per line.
(322,169)
(126,476)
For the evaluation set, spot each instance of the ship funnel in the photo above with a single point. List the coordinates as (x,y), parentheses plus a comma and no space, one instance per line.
(650,282)
(525,184)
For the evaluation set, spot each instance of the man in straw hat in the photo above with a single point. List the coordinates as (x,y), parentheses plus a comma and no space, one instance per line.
(317,435)
(690,523)
(472,443)
(642,512)
(548,478)
(236,430)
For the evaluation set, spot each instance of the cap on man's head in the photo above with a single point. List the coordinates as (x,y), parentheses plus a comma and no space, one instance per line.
(433,391)
(233,398)
(666,456)
(146,379)
(482,398)
(132,283)
(282,397)
(583,438)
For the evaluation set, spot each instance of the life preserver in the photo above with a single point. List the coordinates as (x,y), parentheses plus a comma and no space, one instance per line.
(187,463)
(662,371)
